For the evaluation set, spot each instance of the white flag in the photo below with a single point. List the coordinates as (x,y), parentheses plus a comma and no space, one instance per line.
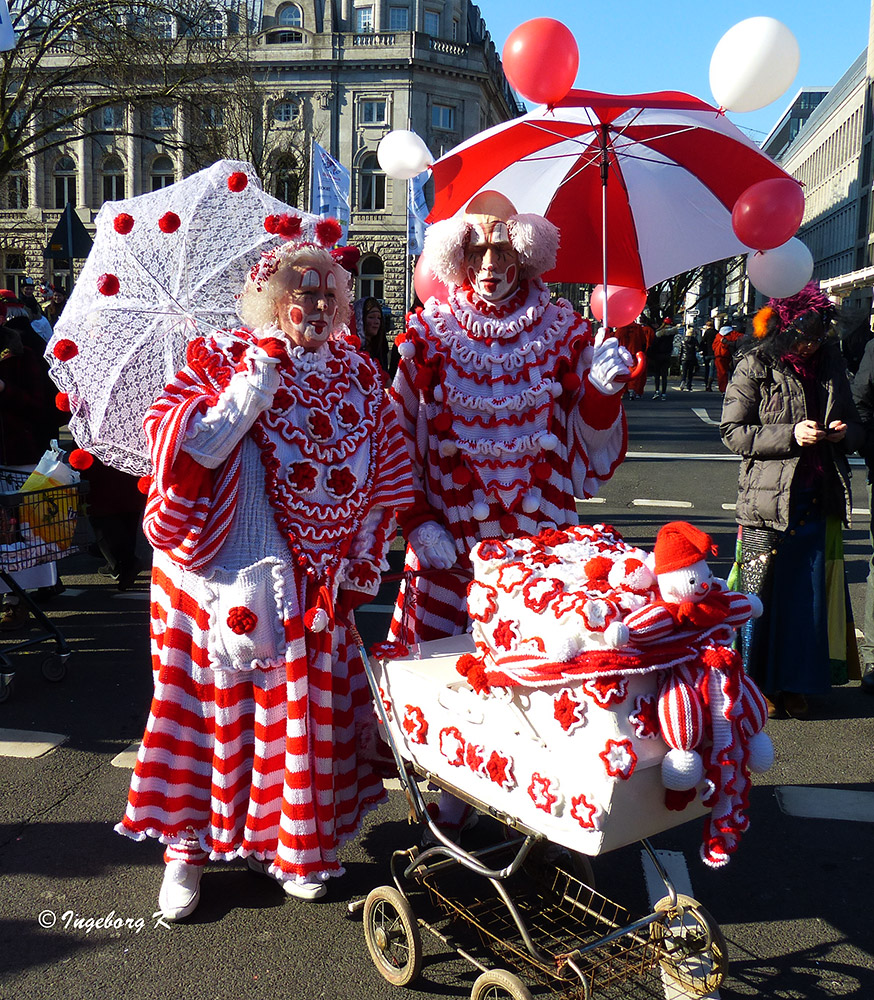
(417,211)
(331,186)
(7,32)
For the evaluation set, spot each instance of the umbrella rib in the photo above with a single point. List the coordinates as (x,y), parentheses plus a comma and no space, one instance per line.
(158,283)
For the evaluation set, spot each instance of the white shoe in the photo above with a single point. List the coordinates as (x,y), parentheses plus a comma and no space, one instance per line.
(180,890)
(308,889)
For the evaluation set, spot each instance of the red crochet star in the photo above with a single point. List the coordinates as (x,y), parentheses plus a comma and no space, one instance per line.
(568,711)
(499,769)
(645,717)
(541,793)
(619,759)
(584,812)
(505,634)
(606,690)
(415,725)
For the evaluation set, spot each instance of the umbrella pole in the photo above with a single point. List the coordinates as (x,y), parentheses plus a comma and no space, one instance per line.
(605,169)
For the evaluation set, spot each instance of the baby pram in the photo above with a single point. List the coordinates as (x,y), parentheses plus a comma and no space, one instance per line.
(36,527)
(529,898)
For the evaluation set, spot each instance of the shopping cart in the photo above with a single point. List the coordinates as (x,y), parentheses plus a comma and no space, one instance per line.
(36,527)
(530,902)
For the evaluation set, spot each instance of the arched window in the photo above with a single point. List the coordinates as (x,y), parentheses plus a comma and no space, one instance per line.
(163,173)
(286,111)
(286,182)
(290,19)
(371,185)
(65,182)
(212,24)
(371,277)
(113,179)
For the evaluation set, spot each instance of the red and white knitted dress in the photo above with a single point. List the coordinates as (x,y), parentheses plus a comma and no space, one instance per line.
(504,430)
(262,505)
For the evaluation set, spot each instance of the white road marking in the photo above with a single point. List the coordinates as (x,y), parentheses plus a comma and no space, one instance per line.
(684,504)
(590,499)
(704,416)
(826,803)
(127,757)
(675,865)
(27,744)
(729,506)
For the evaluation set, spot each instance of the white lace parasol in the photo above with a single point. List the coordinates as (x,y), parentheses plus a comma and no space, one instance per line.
(165,267)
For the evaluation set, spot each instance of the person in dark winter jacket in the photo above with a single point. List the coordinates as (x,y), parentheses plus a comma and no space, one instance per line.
(689,347)
(863,396)
(789,413)
(658,357)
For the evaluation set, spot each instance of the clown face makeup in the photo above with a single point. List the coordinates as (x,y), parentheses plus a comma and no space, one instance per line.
(308,314)
(491,264)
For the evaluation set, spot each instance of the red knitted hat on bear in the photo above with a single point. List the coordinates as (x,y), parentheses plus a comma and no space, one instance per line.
(680,544)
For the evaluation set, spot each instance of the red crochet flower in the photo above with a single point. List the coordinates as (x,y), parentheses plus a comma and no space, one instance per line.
(505,634)
(348,415)
(242,621)
(320,426)
(282,399)
(237,181)
(169,222)
(553,537)
(328,231)
(123,223)
(65,350)
(285,225)
(107,284)
(500,769)
(341,482)
(568,712)
(365,377)
(363,573)
(389,650)
(302,476)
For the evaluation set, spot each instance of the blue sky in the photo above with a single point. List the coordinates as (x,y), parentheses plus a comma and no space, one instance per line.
(637,46)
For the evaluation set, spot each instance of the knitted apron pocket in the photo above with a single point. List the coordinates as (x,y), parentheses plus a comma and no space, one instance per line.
(246,612)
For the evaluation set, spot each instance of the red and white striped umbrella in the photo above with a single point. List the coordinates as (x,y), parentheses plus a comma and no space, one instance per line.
(664,170)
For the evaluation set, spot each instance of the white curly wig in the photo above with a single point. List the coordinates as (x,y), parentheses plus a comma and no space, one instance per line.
(534,238)
(259,301)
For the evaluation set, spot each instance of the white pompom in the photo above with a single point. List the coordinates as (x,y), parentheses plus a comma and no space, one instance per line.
(531,501)
(761,750)
(438,393)
(407,350)
(756,605)
(555,390)
(447,448)
(319,620)
(616,634)
(480,510)
(681,770)
(548,442)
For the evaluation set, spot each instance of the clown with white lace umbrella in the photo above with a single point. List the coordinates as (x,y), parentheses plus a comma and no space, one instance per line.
(165,267)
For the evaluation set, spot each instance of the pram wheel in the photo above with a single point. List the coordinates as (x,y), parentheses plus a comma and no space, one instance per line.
(498,984)
(7,686)
(392,935)
(694,951)
(54,667)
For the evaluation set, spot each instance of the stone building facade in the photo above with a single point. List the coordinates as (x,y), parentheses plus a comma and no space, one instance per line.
(341,73)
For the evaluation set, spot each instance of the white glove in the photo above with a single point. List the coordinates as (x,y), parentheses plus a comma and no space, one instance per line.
(263,370)
(433,545)
(610,365)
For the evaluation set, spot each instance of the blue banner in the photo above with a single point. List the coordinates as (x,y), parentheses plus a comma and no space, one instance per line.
(330,190)
(417,212)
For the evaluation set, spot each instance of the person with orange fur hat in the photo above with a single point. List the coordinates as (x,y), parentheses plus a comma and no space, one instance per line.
(789,413)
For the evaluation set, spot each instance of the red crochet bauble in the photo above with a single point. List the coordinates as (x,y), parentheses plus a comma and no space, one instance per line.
(237,181)
(123,223)
(62,402)
(169,222)
(442,422)
(81,459)
(107,284)
(571,382)
(65,350)
(328,231)
(144,484)
(461,475)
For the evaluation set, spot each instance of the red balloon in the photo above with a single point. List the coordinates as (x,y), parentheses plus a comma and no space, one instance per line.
(623,304)
(541,59)
(768,213)
(427,284)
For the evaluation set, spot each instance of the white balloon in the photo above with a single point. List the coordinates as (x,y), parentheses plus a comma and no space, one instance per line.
(403,154)
(753,64)
(782,271)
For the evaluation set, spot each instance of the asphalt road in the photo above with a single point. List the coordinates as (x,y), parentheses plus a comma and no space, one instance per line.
(793,904)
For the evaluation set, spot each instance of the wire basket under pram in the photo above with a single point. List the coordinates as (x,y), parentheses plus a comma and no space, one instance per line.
(37,527)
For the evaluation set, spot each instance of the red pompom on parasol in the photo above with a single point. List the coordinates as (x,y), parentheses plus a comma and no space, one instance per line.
(62,402)
(169,222)
(65,350)
(237,181)
(107,284)
(81,459)
(123,223)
